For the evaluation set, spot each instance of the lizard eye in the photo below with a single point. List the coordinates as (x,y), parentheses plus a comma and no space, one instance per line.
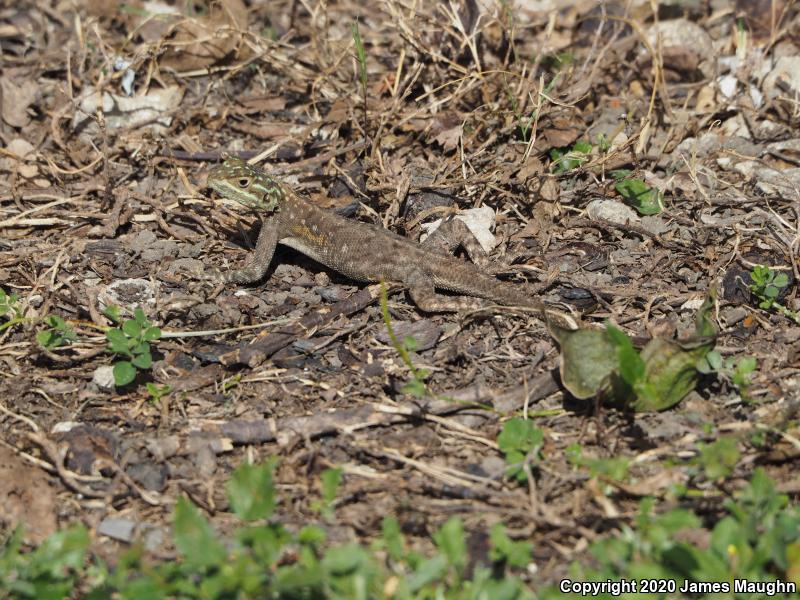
(243,182)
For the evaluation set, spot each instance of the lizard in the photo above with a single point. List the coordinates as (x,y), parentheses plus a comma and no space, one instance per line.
(362,251)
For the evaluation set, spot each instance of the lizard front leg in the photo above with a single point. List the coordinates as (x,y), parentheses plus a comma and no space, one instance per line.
(255,268)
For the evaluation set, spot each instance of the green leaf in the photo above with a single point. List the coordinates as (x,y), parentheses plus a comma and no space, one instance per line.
(642,197)
(410,342)
(345,559)
(719,458)
(746,364)
(565,160)
(140,317)
(141,348)
(124,373)
(427,572)
(631,365)
(520,434)
(312,535)
(781,280)
(131,328)
(56,322)
(195,539)
(142,361)
(588,361)
(46,339)
(331,479)
(670,374)
(251,491)
(620,173)
(112,312)
(451,541)
(516,554)
(151,333)
(714,360)
(415,387)
(63,550)
(519,439)
(118,342)
(393,538)
(705,326)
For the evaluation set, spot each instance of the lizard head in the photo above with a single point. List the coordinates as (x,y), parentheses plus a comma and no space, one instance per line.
(247,185)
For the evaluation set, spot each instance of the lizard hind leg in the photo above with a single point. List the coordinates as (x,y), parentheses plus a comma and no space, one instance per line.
(454,233)
(422,292)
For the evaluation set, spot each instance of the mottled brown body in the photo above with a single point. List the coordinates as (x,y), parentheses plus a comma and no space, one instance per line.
(361,251)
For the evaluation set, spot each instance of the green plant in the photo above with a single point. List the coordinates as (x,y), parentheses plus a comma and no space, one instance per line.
(520,441)
(416,385)
(157,392)
(58,333)
(597,362)
(603,143)
(331,479)
(767,285)
(567,159)
(635,192)
(738,370)
(523,123)
(504,549)
(132,342)
(9,305)
(719,458)
(755,541)
(49,571)
(361,55)
(614,468)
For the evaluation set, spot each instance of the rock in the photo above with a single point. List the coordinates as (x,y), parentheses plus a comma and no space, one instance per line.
(127,294)
(685,46)
(786,71)
(611,210)
(103,378)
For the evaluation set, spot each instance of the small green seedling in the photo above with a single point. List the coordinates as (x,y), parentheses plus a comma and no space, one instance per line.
(615,468)
(767,286)
(738,370)
(523,123)
(57,334)
(330,479)
(719,458)
(504,549)
(9,303)
(361,55)
(520,441)
(636,193)
(416,385)
(567,159)
(157,392)
(132,342)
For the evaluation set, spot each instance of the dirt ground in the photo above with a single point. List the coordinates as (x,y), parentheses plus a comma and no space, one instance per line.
(112,115)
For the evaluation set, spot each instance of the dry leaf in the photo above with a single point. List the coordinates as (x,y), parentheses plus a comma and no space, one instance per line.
(203,42)
(17,97)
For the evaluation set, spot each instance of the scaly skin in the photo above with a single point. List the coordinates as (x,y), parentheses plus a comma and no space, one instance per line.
(360,251)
